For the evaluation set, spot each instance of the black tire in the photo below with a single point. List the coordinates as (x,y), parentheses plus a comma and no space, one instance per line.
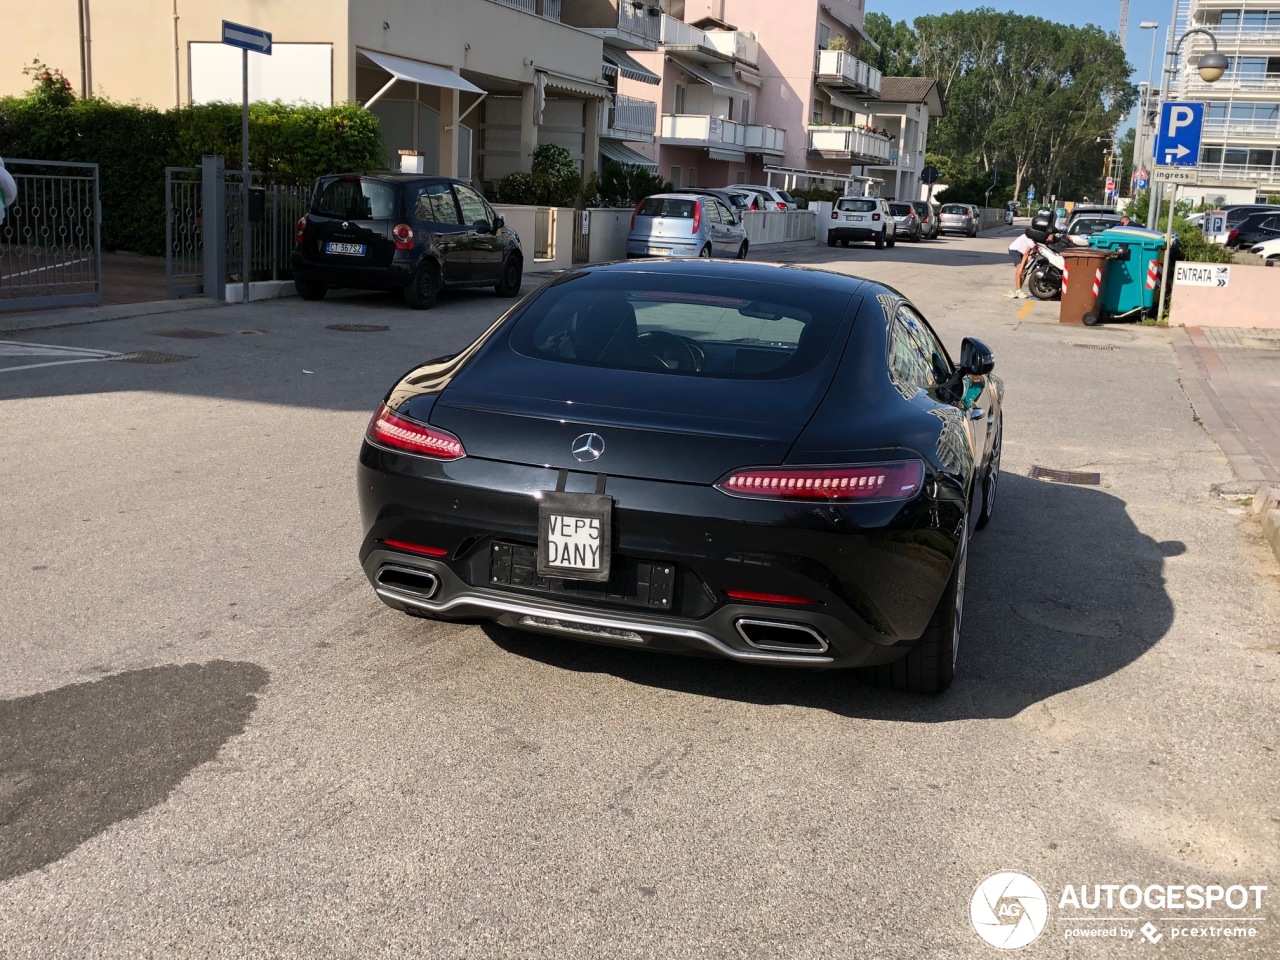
(893,242)
(1092,318)
(915,237)
(705,253)
(742,250)
(831,240)
(880,241)
(844,243)
(310,290)
(930,665)
(991,479)
(1042,288)
(512,273)
(424,287)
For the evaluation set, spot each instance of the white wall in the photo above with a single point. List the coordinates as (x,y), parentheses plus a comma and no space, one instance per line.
(293,72)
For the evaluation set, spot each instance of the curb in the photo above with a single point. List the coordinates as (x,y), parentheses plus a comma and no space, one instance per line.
(75,316)
(1266,507)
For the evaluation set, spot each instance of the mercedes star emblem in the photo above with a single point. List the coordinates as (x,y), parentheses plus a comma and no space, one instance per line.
(588,447)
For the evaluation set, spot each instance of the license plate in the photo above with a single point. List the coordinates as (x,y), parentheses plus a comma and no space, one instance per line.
(660,251)
(574,534)
(351,249)
(851,217)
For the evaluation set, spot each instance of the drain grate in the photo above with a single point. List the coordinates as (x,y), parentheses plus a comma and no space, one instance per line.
(1095,346)
(151,356)
(358,327)
(1066,476)
(187,334)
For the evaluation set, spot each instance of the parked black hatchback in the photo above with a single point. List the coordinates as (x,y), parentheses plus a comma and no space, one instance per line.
(403,231)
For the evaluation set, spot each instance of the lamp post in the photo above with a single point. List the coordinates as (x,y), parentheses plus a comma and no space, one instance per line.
(1145,103)
(1211,67)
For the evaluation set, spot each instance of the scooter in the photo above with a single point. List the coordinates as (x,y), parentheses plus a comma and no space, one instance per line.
(1044,273)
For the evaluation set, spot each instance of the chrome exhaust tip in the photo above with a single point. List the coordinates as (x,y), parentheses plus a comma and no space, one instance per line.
(781,637)
(420,584)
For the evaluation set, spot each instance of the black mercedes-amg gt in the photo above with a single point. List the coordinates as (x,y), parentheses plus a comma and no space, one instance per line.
(775,464)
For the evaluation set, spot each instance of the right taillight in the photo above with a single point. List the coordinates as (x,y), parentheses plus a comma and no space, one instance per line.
(781,205)
(299,228)
(834,215)
(875,218)
(403,235)
(863,483)
(387,429)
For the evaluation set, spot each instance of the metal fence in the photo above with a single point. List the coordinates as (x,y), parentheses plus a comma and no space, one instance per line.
(779,226)
(51,237)
(183,233)
(273,214)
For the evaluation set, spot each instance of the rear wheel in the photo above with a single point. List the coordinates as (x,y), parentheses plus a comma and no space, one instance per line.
(1042,288)
(705,252)
(1092,318)
(742,251)
(422,290)
(310,290)
(892,242)
(512,271)
(844,243)
(831,239)
(930,666)
(880,242)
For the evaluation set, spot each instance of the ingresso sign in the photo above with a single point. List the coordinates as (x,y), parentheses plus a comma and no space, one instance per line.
(1174,174)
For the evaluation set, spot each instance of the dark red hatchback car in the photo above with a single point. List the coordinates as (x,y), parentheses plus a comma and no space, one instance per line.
(403,231)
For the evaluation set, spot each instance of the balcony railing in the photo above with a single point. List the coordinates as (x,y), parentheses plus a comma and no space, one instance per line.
(736,44)
(1262,82)
(851,143)
(630,115)
(640,21)
(842,70)
(1242,172)
(1230,36)
(676,33)
(713,132)
(723,44)
(542,8)
(1266,129)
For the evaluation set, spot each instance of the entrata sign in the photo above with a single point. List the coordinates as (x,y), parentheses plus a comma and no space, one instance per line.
(1202,275)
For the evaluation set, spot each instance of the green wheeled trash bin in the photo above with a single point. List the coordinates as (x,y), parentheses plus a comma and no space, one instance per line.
(1134,276)
(1083,279)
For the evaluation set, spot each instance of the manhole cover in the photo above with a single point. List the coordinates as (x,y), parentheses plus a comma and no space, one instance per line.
(1066,476)
(150,356)
(187,334)
(1095,346)
(1261,343)
(358,327)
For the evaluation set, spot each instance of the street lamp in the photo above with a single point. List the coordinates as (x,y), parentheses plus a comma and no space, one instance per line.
(1144,103)
(1211,67)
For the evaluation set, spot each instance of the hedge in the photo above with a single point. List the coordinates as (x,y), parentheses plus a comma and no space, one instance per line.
(132,145)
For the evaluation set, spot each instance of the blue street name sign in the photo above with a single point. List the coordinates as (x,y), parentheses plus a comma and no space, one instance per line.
(246,38)
(1178,139)
(1031,193)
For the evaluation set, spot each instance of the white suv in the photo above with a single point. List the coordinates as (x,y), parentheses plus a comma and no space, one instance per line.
(774,199)
(862,218)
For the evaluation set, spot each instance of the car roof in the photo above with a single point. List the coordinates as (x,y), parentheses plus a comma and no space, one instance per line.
(397,176)
(740,270)
(676,195)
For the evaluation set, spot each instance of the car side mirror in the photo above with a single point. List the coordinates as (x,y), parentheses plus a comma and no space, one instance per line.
(499,221)
(481,226)
(976,358)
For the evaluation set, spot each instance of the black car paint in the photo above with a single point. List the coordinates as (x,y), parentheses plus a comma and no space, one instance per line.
(877,570)
(465,254)
(1254,229)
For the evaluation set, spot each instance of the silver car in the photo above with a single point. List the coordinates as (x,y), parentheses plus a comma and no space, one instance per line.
(958,218)
(685,225)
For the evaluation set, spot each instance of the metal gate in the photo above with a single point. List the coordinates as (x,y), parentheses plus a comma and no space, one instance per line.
(51,237)
(183,231)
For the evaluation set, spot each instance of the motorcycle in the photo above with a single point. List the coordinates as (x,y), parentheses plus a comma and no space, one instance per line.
(1044,273)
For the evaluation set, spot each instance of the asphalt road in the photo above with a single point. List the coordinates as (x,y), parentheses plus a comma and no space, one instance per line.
(216,742)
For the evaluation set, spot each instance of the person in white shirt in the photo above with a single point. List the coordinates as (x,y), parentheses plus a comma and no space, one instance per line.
(1019,253)
(8,190)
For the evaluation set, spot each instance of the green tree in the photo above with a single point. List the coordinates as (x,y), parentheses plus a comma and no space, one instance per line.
(897,42)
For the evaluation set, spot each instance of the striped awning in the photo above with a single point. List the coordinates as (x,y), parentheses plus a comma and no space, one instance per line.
(722,85)
(623,154)
(567,84)
(733,156)
(620,63)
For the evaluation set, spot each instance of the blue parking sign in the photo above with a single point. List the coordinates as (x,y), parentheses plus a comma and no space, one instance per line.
(1178,136)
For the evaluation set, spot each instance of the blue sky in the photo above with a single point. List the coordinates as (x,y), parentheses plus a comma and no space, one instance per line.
(1104,13)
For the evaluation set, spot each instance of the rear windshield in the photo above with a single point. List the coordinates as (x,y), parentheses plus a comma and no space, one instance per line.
(667,207)
(858,206)
(956,208)
(900,209)
(682,325)
(785,196)
(920,207)
(355,198)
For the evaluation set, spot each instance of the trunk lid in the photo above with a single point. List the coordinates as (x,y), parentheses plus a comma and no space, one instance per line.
(351,219)
(666,217)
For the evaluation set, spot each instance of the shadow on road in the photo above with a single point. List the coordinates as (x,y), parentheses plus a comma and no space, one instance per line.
(949,252)
(76,760)
(1063,590)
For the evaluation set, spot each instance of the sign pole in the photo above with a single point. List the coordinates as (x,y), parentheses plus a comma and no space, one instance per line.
(1168,247)
(247,237)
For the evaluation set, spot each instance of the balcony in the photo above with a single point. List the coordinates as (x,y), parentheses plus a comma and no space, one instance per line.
(629,24)
(848,143)
(550,9)
(1222,89)
(1258,175)
(845,73)
(1242,129)
(1231,36)
(726,139)
(629,118)
(709,45)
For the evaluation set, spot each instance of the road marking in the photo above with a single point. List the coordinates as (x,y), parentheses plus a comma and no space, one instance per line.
(1026,310)
(65,355)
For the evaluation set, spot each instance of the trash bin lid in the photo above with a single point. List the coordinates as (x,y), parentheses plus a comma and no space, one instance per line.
(1127,236)
(1087,253)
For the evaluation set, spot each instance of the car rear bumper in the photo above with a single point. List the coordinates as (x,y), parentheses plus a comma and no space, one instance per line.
(360,276)
(874,574)
(854,233)
(663,247)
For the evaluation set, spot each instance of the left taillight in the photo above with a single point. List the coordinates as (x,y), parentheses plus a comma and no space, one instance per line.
(697,217)
(781,205)
(863,483)
(386,429)
(298,230)
(402,233)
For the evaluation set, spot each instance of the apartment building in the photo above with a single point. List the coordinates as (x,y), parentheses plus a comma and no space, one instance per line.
(1240,148)
(905,107)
